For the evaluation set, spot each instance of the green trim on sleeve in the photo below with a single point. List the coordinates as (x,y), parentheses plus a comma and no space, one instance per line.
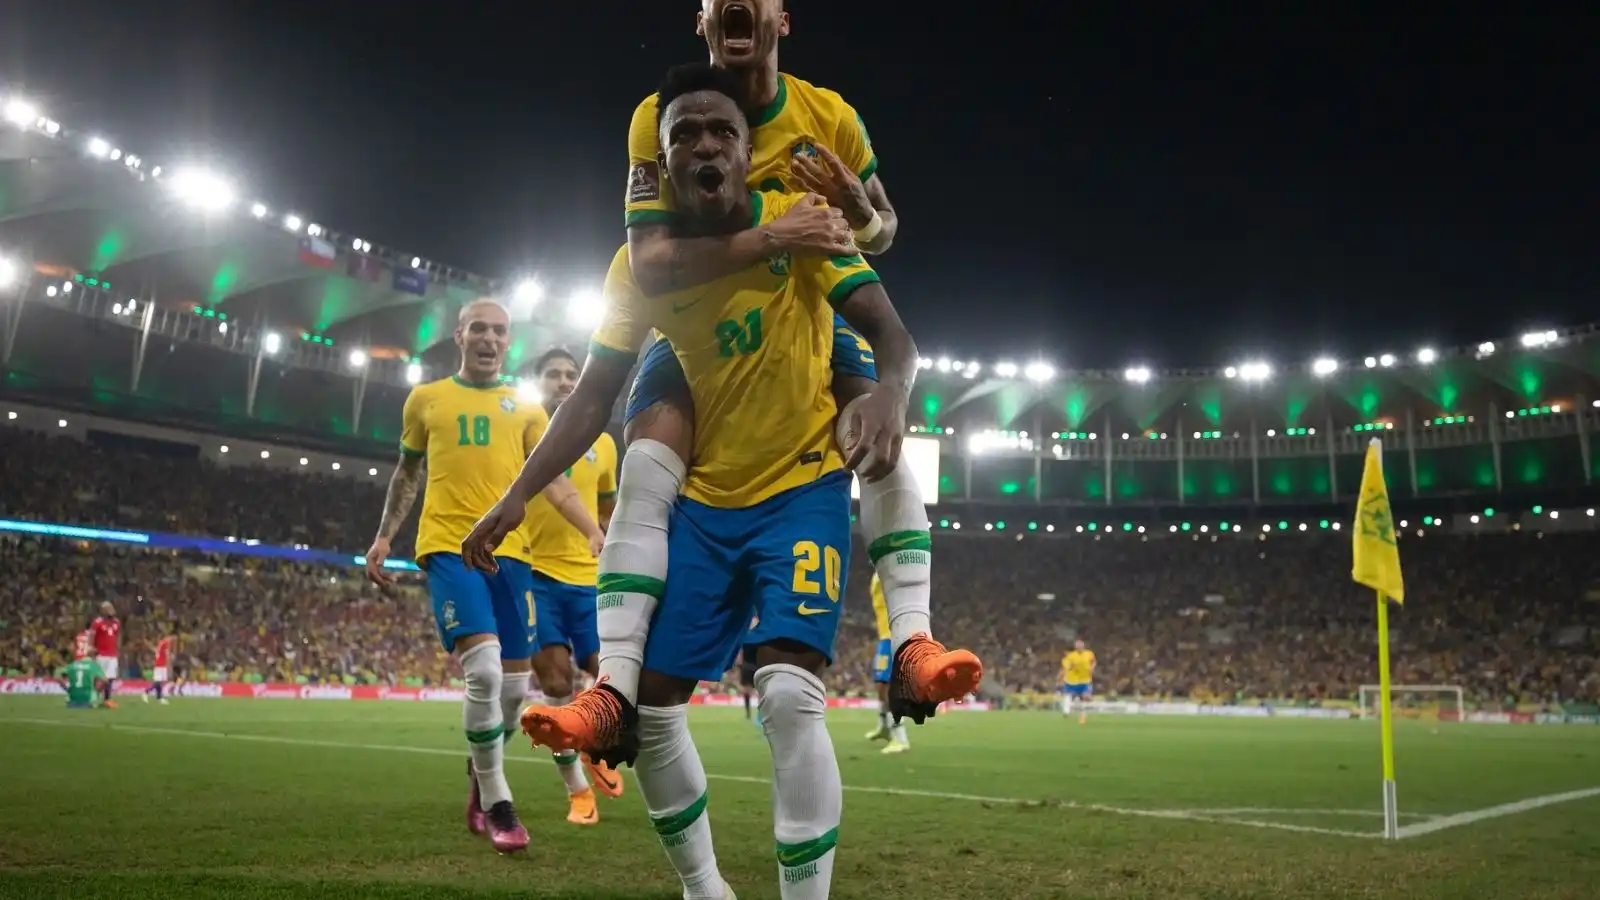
(842,291)
(870,170)
(650,217)
(414,454)
(607,495)
(605,351)
(756,203)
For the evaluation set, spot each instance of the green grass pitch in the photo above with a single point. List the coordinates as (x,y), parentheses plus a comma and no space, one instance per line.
(302,799)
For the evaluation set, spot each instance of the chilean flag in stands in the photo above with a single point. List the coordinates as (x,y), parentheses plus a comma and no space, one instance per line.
(316,252)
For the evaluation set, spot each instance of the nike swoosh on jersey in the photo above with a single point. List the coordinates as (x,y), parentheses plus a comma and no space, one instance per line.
(678,309)
(812,611)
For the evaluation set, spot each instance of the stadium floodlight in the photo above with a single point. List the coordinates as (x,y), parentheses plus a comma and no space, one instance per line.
(1538,339)
(586,309)
(372,471)
(272,343)
(115,154)
(942,364)
(414,373)
(1254,371)
(21,113)
(314,230)
(924,363)
(1386,360)
(336,467)
(360,246)
(98,147)
(1039,372)
(416,262)
(358,358)
(1427,356)
(525,298)
(202,190)
(259,210)
(1231,372)
(292,223)
(1371,362)
(1137,375)
(1324,366)
(972,369)
(10,273)
(52,127)
(1486,349)
(1006,369)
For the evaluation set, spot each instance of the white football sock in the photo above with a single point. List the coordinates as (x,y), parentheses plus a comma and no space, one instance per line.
(897,733)
(572,774)
(673,784)
(483,722)
(513,691)
(633,565)
(895,524)
(807,792)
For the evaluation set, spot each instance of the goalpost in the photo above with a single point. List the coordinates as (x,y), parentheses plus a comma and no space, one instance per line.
(1447,694)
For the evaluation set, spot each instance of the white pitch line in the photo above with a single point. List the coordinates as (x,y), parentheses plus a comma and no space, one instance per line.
(1168,814)
(1495,812)
(1289,811)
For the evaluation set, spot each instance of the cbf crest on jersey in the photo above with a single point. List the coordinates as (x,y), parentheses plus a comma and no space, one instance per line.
(804,148)
(508,404)
(779,265)
(592,455)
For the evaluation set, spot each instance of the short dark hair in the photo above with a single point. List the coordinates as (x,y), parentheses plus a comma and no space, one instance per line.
(691,78)
(554,353)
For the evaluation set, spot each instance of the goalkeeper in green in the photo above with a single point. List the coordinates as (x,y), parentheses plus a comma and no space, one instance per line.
(79,679)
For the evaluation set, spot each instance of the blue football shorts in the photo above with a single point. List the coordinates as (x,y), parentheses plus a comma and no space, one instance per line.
(466,601)
(882,662)
(1077,690)
(660,375)
(565,615)
(782,560)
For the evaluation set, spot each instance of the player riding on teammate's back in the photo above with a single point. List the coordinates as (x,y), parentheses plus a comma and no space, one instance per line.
(803,138)
(764,526)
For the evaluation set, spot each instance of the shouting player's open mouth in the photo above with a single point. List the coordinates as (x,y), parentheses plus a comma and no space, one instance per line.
(738,27)
(709,178)
(486,357)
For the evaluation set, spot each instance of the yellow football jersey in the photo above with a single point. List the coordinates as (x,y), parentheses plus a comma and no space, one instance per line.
(800,117)
(1077,667)
(559,550)
(755,348)
(474,439)
(880,609)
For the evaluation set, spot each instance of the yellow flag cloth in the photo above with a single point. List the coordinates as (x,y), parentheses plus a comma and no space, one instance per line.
(1377,556)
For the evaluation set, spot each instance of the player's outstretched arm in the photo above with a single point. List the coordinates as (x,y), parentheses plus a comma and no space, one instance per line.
(868,310)
(397,502)
(573,430)
(662,262)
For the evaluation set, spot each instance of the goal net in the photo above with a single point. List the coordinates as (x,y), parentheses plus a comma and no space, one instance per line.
(1417,700)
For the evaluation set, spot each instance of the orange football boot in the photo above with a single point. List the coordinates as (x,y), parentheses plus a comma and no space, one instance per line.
(583,810)
(925,675)
(598,722)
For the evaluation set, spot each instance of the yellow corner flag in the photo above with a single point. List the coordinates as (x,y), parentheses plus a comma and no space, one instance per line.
(1377,565)
(1377,556)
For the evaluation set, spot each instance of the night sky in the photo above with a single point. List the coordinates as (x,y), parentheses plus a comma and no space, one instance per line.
(1099,184)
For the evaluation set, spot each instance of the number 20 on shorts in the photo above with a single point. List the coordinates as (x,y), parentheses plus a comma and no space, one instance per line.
(808,558)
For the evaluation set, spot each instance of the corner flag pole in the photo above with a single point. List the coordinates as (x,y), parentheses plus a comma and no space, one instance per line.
(1391,804)
(1376,564)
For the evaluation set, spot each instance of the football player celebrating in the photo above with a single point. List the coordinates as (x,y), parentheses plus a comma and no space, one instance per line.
(473,434)
(764,525)
(803,138)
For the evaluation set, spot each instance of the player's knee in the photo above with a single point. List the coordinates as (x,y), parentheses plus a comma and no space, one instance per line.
(668,421)
(481,673)
(790,695)
(787,652)
(660,690)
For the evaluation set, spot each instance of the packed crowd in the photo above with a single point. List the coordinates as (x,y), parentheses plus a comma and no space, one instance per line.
(1512,618)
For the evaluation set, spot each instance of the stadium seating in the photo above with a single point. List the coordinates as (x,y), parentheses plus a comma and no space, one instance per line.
(1511,617)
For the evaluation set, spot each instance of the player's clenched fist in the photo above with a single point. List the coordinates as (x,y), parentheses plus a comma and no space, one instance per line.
(486,536)
(870,431)
(811,228)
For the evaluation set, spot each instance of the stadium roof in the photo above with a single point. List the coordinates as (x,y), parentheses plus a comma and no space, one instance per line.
(72,203)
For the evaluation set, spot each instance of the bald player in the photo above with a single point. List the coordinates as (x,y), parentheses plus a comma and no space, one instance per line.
(470,434)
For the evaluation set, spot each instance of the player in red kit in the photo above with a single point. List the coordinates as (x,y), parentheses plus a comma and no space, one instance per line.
(162,670)
(106,632)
